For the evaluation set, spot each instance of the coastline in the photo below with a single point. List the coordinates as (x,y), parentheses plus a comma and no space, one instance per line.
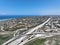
(6,19)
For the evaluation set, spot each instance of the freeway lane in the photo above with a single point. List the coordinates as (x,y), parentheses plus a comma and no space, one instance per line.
(17,41)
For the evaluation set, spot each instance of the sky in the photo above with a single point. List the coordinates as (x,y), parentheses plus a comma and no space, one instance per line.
(29,7)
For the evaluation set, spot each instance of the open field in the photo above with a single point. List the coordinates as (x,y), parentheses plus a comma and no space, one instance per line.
(36,42)
(4,38)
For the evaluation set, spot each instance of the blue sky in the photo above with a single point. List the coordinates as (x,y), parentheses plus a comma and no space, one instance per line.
(29,7)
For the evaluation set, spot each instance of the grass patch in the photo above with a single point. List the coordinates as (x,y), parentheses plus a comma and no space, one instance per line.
(36,42)
(4,38)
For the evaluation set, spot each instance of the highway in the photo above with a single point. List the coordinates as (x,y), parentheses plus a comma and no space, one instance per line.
(22,40)
(16,42)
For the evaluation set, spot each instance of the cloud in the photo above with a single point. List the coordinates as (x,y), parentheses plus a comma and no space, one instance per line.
(3,13)
(50,12)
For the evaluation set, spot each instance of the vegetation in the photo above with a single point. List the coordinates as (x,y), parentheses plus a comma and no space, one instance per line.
(4,38)
(36,42)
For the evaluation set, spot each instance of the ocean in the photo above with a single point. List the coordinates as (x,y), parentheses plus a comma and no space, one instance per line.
(15,16)
(6,17)
(12,16)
